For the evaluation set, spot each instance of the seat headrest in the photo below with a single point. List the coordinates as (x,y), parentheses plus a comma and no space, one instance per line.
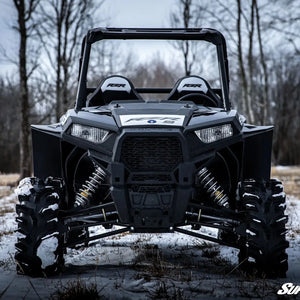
(115,83)
(112,88)
(192,84)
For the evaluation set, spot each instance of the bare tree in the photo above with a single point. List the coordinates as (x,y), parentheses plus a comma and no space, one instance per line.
(108,58)
(25,24)
(285,91)
(9,126)
(155,73)
(248,49)
(185,17)
(265,103)
(63,23)
(247,107)
(265,76)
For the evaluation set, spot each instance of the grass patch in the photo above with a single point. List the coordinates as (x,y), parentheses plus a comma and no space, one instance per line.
(2,233)
(77,290)
(8,203)
(4,210)
(8,262)
(163,291)
(151,260)
(211,252)
(203,245)
(5,191)
(290,176)
(119,236)
(9,179)
(258,288)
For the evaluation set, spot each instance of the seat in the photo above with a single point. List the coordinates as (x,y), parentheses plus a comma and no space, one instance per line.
(196,89)
(112,88)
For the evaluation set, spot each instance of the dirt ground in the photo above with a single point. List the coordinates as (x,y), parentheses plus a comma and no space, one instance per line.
(290,176)
(9,179)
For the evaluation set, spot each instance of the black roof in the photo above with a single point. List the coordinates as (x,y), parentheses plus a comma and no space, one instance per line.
(206,34)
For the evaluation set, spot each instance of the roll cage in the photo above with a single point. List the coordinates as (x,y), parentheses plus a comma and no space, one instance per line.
(205,34)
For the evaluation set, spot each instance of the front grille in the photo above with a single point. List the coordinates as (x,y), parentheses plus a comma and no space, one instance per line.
(150,154)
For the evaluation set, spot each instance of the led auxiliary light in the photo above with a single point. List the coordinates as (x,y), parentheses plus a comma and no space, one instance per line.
(216,133)
(88,133)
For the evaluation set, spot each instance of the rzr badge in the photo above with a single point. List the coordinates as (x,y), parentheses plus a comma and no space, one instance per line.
(135,120)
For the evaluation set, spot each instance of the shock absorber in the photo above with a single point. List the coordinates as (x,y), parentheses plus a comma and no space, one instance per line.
(211,186)
(90,186)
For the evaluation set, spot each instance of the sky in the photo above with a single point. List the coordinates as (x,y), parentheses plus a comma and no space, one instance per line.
(117,13)
(138,13)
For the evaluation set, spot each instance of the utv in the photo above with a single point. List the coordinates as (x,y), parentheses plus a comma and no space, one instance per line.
(170,165)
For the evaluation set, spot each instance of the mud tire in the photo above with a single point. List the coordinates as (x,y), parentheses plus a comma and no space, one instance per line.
(38,225)
(264,248)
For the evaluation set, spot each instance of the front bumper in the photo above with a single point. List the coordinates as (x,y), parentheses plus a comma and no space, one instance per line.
(152,178)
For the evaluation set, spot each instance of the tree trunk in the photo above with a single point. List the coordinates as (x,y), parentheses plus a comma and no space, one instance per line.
(25,154)
(247,107)
(186,45)
(266,104)
(250,93)
(186,58)
(183,18)
(58,83)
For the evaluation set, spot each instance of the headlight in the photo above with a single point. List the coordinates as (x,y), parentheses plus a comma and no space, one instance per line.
(216,133)
(91,134)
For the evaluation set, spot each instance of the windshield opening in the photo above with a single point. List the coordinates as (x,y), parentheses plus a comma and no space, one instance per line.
(153,63)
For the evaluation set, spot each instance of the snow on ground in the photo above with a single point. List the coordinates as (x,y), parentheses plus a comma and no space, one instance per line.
(293,211)
(141,266)
(278,167)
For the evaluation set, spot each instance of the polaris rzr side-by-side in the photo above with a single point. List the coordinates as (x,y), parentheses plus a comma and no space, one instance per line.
(151,166)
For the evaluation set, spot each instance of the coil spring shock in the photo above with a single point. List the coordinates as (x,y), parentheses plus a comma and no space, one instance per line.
(212,188)
(90,186)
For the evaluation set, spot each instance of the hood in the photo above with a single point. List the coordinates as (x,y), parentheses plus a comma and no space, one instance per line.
(159,113)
